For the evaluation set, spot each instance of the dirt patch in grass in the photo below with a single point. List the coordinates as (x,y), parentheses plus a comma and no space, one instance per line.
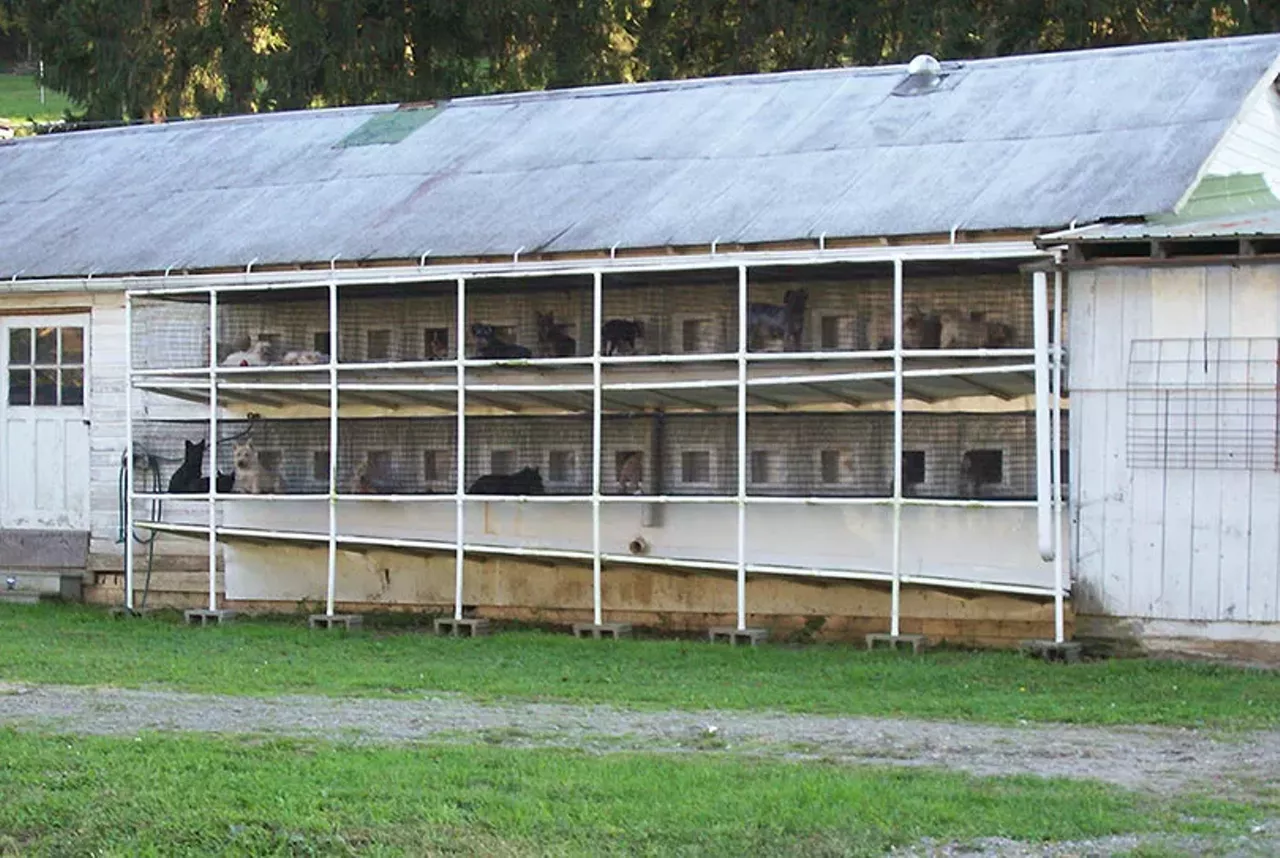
(1160,760)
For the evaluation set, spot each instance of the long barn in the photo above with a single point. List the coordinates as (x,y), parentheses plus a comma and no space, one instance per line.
(759,354)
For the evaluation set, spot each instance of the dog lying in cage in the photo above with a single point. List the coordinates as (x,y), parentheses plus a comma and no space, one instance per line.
(972,330)
(257,354)
(618,336)
(526,481)
(553,337)
(189,477)
(783,321)
(304,357)
(251,476)
(920,329)
(490,345)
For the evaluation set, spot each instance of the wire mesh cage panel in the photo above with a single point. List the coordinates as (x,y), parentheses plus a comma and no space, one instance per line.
(271,457)
(411,324)
(529,455)
(628,453)
(278,328)
(971,456)
(169,333)
(384,456)
(529,319)
(984,309)
(836,308)
(668,314)
(699,455)
(820,455)
(171,458)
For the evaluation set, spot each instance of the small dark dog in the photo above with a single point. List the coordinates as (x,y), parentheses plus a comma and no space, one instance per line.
(783,321)
(490,345)
(553,338)
(618,336)
(526,481)
(188,478)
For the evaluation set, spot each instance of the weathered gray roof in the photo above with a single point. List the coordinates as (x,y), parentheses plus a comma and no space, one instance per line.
(1020,142)
(1258,224)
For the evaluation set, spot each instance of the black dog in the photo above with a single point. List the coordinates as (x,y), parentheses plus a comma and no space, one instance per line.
(784,321)
(188,479)
(553,339)
(490,345)
(617,334)
(526,481)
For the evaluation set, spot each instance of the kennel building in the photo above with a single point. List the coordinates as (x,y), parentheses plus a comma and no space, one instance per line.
(783,350)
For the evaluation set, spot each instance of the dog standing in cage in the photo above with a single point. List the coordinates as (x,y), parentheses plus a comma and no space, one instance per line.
(783,321)
(630,474)
(553,337)
(251,476)
(490,346)
(618,336)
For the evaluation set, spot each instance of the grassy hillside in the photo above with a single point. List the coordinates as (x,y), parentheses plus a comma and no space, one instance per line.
(20,100)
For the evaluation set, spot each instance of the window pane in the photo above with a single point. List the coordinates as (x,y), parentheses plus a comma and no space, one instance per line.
(19,346)
(695,467)
(19,387)
(72,387)
(46,346)
(46,387)
(72,345)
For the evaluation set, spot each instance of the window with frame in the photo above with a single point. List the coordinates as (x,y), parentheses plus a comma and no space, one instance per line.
(764,468)
(320,466)
(378,344)
(913,467)
(46,366)
(502,461)
(829,466)
(695,467)
(984,467)
(435,343)
(432,466)
(560,466)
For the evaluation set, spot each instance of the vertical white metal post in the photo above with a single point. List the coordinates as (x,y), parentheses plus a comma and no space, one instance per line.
(597,297)
(459,496)
(128,452)
(332,582)
(895,606)
(213,448)
(742,447)
(1044,512)
(1059,621)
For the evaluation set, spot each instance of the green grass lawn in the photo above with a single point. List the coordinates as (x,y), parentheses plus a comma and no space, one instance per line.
(83,646)
(20,100)
(169,795)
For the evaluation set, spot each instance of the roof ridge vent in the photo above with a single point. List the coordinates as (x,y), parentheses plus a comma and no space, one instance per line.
(924,65)
(925,75)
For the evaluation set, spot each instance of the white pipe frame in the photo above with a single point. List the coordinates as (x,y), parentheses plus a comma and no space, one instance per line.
(895,596)
(213,452)
(1059,595)
(597,442)
(219,378)
(128,465)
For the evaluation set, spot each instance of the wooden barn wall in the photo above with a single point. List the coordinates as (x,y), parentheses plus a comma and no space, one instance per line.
(1186,544)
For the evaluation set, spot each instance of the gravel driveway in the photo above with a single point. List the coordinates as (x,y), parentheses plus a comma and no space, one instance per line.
(1161,760)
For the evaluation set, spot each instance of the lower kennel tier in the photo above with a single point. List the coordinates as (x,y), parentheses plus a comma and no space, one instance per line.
(947,456)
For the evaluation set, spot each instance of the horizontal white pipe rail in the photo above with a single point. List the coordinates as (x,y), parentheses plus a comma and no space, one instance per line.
(189,284)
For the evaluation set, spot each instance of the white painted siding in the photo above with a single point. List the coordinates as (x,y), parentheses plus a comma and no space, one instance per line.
(1252,144)
(1167,543)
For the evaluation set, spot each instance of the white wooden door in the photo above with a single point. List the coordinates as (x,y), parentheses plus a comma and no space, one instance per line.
(44,426)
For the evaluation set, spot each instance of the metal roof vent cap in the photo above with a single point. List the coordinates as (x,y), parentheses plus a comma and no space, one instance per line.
(925,66)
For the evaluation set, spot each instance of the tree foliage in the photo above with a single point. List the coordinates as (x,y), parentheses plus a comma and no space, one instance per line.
(154,58)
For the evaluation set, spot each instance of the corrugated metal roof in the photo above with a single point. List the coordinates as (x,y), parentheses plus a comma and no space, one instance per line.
(1020,142)
(1263,224)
